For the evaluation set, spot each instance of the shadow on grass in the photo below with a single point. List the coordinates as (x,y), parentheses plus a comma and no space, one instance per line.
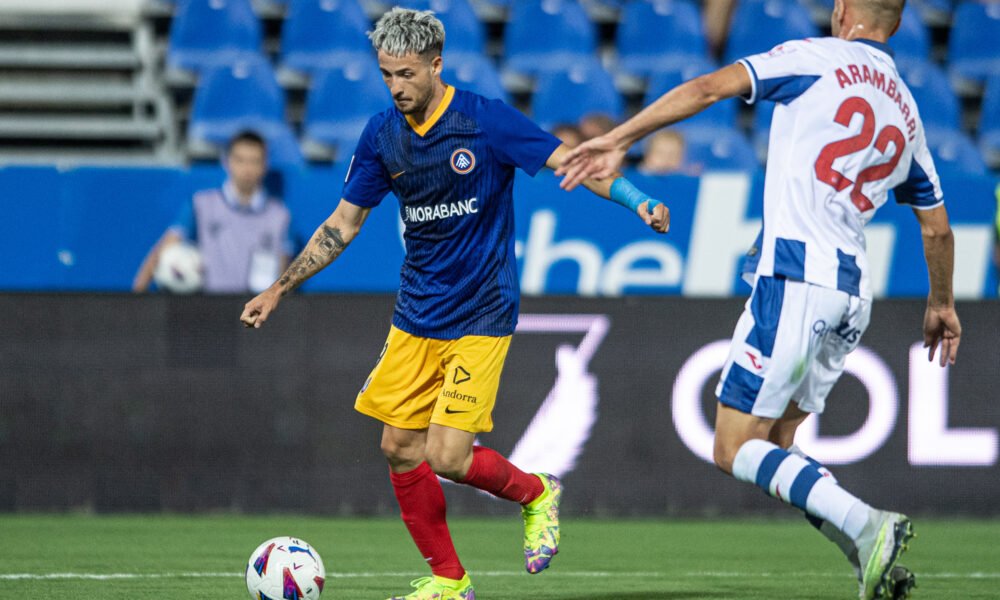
(649,595)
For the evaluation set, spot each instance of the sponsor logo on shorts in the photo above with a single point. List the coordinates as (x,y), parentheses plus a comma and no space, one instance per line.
(461,375)
(460,396)
(450,411)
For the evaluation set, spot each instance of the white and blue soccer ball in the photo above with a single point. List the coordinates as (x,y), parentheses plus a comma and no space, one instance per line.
(285,568)
(179,269)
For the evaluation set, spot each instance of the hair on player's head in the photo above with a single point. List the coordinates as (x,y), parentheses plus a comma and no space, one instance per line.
(246,137)
(884,13)
(403,31)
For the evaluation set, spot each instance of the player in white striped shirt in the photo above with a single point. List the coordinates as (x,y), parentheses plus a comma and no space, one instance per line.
(845,131)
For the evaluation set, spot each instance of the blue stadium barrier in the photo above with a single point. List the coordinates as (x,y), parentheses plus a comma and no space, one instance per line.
(89,229)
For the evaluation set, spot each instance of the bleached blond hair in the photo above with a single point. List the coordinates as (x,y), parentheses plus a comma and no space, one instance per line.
(403,31)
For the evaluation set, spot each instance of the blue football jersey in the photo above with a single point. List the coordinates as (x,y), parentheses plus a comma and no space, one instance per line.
(454,178)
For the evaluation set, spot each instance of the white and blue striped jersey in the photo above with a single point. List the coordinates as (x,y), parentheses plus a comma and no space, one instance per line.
(845,131)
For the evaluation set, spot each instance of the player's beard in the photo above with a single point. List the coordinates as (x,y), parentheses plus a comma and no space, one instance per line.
(416,105)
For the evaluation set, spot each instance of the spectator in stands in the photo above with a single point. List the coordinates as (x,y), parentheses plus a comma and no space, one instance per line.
(595,125)
(243,235)
(568,134)
(665,154)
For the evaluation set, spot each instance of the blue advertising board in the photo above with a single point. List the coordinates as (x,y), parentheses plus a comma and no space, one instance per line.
(89,229)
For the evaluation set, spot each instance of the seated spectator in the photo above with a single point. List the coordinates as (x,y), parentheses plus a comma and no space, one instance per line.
(243,235)
(568,134)
(596,124)
(665,154)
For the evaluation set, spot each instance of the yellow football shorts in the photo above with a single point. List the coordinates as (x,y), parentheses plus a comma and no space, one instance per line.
(418,381)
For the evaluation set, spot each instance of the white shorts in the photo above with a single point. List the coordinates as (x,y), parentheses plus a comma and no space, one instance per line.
(790,344)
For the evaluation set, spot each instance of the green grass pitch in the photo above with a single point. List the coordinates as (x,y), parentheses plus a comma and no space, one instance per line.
(154,556)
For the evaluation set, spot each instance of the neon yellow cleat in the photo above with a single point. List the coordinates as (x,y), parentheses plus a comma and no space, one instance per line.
(541,525)
(440,588)
(881,546)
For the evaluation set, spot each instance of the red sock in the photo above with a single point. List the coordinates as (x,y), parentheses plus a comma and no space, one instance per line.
(421,504)
(493,473)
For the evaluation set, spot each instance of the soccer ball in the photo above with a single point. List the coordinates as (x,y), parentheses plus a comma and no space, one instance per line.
(285,568)
(179,269)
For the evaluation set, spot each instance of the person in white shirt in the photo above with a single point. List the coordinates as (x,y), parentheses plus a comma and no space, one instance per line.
(845,131)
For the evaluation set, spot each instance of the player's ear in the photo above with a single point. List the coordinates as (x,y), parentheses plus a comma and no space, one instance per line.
(437,63)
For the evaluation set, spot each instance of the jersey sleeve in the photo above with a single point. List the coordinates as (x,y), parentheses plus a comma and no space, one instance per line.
(515,139)
(922,188)
(784,73)
(367,182)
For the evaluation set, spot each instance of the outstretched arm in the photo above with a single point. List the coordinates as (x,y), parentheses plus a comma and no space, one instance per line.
(326,245)
(941,325)
(602,156)
(618,189)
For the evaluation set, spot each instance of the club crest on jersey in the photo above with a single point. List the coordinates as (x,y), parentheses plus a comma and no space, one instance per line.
(463,161)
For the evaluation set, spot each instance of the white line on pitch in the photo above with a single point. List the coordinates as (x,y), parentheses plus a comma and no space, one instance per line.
(365,575)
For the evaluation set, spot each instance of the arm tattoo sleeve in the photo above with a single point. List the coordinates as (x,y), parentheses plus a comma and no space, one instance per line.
(324,247)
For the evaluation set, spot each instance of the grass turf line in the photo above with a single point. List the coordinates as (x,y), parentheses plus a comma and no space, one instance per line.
(160,556)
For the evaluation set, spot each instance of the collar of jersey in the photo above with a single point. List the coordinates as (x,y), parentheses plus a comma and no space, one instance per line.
(421,129)
(877,45)
(232,198)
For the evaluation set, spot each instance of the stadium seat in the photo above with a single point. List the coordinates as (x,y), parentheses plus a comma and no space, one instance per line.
(564,97)
(473,72)
(324,34)
(547,36)
(719,150)
(989,123)
(937,103)
(339,104)
(974,47)
(661,35)
(759,25)
(209,33)
(911,43)
(464,32)
(721,114)
(245,95)
(955,154)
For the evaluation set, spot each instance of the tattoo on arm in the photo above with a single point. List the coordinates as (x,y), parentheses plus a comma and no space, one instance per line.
(325,246)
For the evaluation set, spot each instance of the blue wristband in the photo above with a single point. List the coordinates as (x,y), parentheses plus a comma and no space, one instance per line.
(629,196)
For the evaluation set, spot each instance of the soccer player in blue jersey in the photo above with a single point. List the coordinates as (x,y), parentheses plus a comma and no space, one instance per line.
(449,157)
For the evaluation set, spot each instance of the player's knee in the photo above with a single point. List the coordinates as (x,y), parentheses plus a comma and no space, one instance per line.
(401,455)
(447,464)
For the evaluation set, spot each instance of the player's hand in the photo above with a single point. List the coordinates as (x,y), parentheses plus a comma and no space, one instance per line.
(598,158)
(941,326)
(658,219)
(259,308)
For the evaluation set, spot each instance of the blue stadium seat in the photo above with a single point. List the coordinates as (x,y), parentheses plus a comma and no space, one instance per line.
(912,42)
(464,32)
(719,150)
(565,97)
(937,103)
(759,25)
(721,114)
(661,35)
(245,95)
(324,34)
(974,47)
(989,122)
(547,36)
(208,33)
(473,72)
(340,102)
(955,154)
